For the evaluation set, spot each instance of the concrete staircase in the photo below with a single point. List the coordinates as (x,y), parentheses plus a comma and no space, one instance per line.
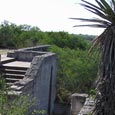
(13,71)
(13,74)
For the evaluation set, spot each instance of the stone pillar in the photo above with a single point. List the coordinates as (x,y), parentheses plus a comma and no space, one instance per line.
(77,102)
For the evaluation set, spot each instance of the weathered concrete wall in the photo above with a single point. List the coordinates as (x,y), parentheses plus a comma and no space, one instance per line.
(25,55)
(43,71)
(42,48)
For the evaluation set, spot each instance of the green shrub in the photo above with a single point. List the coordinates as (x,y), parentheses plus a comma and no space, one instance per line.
(64,39)
(75,72)
(18,106)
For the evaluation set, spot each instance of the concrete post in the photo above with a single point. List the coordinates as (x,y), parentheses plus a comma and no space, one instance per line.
(77,102)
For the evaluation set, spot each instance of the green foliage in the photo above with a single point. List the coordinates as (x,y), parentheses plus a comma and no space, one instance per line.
(105,10)
(13,36)
(3,92)
(16,106)
(92,93)
(63,39)
(39,112)
(76,73)
(6,34)
(87,37)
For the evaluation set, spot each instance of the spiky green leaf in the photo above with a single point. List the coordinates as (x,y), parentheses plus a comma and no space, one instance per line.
(96,20)
(100,5)
(90,4)
(92,25)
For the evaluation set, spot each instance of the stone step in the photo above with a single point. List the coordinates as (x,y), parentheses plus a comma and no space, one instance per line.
(11,71)
(13,67)
(15,76)
(13,94)
(7,60)
(9,84)
(11,80)
(16,88)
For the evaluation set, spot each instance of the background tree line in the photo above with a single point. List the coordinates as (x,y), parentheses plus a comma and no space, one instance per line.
(18,36)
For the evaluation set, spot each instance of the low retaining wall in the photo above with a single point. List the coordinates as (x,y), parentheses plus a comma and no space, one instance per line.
(77,102)
(81,104)
(43,48)
(88,107)
(25,55)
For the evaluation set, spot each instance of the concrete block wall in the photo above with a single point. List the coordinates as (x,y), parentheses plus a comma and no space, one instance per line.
(43,71)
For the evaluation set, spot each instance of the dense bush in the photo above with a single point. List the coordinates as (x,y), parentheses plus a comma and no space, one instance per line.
(75,74)
(64,39)
(13,36)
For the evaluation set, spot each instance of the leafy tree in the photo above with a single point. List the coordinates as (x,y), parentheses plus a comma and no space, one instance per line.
(6,34)
(13,36)
(63,39)
(87,37)
(105,104)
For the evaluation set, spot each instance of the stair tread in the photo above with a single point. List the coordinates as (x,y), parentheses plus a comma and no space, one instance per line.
(14,70)
(14,93)
(13,79)
(15,87)
(13,67)
(14,74)
(18,64)
(4,58)
(9,83)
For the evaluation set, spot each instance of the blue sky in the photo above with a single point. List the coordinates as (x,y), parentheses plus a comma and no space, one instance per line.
(48,15)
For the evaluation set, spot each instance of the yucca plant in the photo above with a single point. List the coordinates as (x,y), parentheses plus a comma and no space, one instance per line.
(105,10)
